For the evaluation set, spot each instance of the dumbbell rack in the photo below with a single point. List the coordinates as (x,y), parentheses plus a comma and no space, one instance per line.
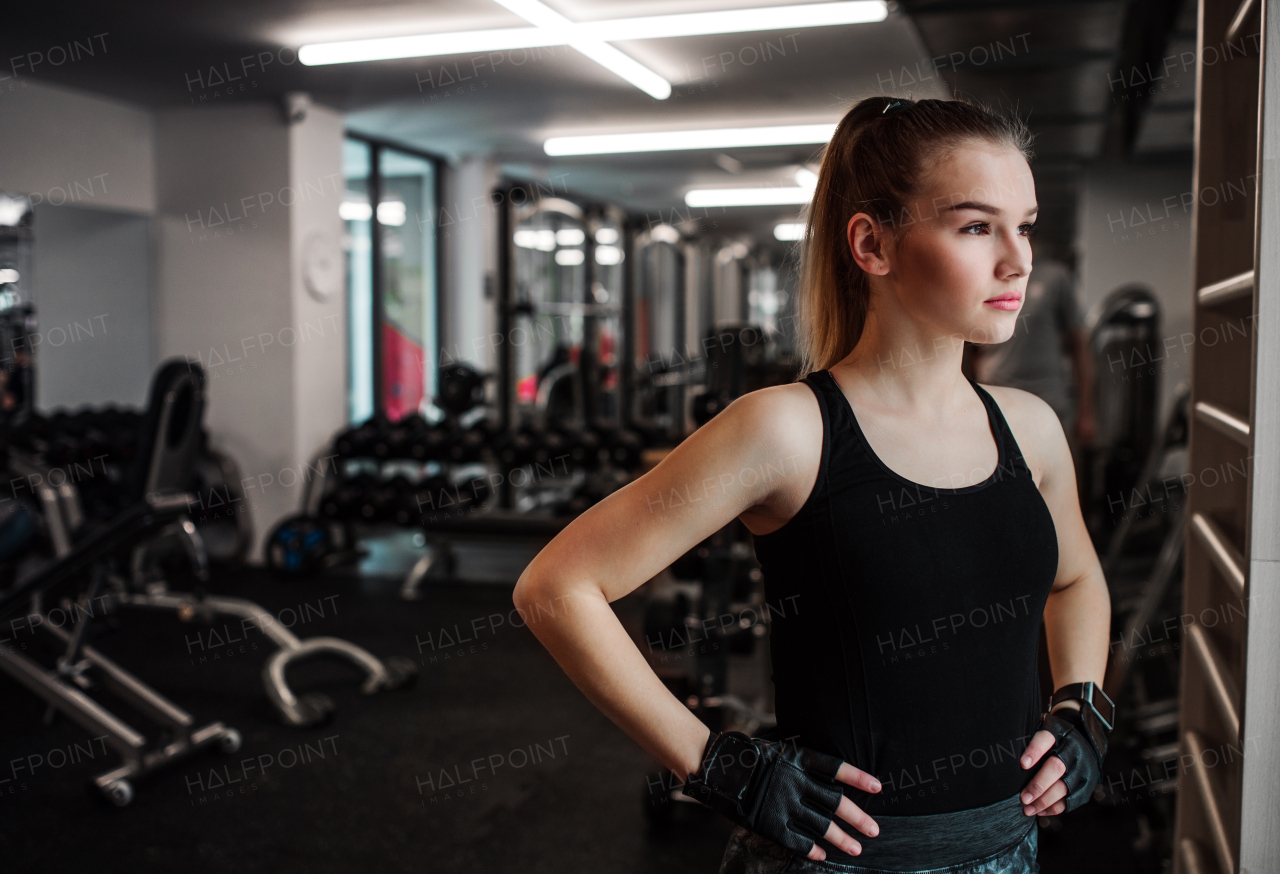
(1229,799)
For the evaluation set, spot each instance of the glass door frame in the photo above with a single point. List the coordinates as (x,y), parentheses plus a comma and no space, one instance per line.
(376,146)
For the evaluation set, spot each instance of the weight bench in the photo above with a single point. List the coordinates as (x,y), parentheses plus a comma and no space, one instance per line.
(65,686)
(169,446)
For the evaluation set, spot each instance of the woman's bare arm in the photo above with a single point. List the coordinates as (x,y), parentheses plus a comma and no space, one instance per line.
(1077,615)
(761,452)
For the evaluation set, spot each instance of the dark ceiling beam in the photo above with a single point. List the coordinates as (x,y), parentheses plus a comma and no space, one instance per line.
(947,7)
(1148,28)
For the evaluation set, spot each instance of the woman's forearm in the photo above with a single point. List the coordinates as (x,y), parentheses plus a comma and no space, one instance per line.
(582,633)
(1077,624)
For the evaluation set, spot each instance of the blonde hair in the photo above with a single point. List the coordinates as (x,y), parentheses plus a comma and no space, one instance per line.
(873,164)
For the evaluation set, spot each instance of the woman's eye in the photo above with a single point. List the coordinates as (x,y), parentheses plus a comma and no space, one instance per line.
(1028,229)
(980,227)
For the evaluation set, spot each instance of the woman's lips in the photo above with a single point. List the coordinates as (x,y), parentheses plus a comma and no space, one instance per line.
(1005,302)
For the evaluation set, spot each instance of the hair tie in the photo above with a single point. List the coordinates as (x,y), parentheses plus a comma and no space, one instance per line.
(895,106)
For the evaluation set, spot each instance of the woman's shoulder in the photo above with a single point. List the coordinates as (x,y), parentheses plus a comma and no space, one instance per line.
(1035,427)
(782,417)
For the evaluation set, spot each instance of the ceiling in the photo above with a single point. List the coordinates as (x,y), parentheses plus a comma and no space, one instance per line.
(1048,61)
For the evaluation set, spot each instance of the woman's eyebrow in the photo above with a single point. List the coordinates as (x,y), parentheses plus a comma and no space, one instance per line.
(972,204)
(985,207)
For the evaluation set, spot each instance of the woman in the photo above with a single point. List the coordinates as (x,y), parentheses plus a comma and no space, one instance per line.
(922,525)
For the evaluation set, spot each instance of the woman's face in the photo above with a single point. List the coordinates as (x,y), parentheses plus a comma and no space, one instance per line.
(961,257)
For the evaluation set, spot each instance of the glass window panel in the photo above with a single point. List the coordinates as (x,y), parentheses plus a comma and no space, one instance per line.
(408,282)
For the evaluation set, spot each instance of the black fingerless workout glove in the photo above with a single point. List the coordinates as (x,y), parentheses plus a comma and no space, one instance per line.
(778,790)
(1081,743)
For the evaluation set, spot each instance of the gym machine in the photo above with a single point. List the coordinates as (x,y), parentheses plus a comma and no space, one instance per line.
(1124,336)
(168,443)
(82,669)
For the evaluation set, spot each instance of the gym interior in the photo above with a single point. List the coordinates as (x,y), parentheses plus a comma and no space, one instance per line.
(321,319)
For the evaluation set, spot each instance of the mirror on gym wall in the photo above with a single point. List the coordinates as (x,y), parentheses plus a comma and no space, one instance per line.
(551,279)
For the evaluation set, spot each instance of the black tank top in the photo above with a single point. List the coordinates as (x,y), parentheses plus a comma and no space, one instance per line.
(905,620)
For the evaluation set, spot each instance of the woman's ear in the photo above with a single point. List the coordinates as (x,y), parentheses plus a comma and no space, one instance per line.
(867,238)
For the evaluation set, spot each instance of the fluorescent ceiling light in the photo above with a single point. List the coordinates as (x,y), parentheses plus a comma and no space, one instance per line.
(664,234)
(607,236)
(608,255)
(676,140)
(623,66)
(391,212)
(570,257)
(570,237)
(806,178)
(738,20)
(592,38)
(788,231)
(427,45)
(9,275)
(543,240)
(354,211)
(747,196)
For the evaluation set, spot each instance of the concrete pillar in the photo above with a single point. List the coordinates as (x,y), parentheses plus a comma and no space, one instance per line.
(468,227)
(249,283)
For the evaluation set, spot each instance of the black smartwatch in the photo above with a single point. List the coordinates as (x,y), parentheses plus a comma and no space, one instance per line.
(1090,695)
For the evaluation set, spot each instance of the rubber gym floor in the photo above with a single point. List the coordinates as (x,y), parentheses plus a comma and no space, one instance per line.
(560,788)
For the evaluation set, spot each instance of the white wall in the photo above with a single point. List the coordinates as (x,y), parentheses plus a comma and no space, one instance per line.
(238,190)
(94,342)
(318,267)
(63,146)
(1134,225)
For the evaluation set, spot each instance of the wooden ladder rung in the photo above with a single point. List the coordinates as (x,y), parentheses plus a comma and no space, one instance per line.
(1223,422)
(1222,551)
(1212,802)
(1238,20)
(1222,688)
(1192,858)
(1226,290)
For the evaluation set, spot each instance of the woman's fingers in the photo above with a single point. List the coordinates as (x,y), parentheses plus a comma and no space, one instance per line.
(1040,744)
(1048,776)
(1055,810)
(1051,798)
(855,777)
(855,816)
(841,839)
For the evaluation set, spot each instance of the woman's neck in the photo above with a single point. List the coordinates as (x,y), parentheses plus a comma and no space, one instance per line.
(906,365)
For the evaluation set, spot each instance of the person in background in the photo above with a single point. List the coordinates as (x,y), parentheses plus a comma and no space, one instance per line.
(1048,354)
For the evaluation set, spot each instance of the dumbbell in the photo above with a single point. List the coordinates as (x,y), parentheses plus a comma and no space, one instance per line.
(625,448)
(707,405)
(512,449)
(435,494)
(468,446)
(548,446)
(342,502)
(362,440)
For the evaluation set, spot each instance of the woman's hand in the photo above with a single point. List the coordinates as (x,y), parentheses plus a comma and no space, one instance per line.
(850,813)
(1043,795)
(782,791)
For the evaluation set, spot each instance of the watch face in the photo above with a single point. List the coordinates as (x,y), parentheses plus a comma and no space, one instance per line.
(322,266)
